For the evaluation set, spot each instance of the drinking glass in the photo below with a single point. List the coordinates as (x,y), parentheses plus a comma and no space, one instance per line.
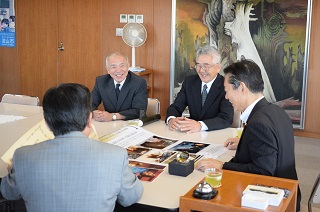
(213,177)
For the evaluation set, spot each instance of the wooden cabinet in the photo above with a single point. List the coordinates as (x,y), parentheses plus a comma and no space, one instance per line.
(149,75)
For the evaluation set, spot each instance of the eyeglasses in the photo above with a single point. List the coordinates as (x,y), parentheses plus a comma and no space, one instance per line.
(121,65)
(205,66)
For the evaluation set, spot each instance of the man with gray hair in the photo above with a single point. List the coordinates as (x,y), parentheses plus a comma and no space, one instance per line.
(204,95)
(122,93)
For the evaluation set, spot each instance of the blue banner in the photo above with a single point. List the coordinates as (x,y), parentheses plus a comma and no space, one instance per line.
(8,39)
(7,26)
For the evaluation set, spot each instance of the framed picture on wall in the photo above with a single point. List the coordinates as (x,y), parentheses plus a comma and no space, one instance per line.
(274,34)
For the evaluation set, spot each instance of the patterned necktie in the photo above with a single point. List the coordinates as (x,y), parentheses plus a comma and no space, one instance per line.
(204,93)
(117,90)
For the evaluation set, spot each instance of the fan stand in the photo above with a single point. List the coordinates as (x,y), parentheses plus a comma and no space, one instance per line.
(135,68)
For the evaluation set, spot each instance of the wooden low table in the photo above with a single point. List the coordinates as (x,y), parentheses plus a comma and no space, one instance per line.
(230,193)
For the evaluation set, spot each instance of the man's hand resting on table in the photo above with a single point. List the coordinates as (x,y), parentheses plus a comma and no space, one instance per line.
(208,163)
(99,115)
(184,124)
(231,143)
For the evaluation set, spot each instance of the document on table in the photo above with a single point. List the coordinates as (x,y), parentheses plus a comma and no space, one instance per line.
(214,151)
(38,133)
(9,118)
(127,136)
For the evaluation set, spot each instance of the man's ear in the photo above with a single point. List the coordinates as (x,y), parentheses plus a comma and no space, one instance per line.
(243,87)
(87,129)
(89,120)
(219,68)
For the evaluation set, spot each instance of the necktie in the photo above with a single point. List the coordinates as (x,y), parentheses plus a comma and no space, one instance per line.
(117,90)
(204,93)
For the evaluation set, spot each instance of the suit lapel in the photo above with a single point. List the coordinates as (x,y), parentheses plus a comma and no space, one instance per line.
(111,93)
(196,89)
(124,92)
(212,95)
(263,102)
(240,143)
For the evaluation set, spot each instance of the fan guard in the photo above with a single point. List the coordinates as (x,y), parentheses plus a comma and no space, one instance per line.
(134,35)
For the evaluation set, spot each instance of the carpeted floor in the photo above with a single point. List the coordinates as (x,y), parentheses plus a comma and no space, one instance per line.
(307,151)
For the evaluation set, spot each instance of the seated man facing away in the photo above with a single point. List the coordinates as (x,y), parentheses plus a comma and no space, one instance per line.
(123,93)
(204,95)
(71,172)
(266,145)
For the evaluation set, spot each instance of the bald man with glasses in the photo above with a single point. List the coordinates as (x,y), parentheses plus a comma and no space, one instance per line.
(204,96)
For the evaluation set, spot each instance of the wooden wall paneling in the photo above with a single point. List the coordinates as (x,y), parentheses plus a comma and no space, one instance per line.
(155,53)
(36,33)
(143,53)
(312,120)
(9,71)
(111,21)
(80,31)
(162,52)
(33,65)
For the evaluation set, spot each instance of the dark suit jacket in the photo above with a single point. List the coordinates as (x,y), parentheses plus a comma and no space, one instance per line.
(266,146)
(217,111)
(133,96)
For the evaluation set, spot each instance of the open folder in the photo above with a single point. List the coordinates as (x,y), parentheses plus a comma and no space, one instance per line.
(38,133)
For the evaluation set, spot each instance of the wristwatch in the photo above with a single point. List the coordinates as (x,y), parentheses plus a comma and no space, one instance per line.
(114,117)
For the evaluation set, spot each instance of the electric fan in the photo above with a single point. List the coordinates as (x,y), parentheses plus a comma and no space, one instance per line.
(134,35)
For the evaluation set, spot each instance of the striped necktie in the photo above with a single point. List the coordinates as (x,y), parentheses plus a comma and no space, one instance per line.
(204,93)
(117,90)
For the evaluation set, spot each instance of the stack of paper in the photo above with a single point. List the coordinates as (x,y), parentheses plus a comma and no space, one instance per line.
(252,201)
(260,197)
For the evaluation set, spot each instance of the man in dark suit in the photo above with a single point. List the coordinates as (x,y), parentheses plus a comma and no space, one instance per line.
(123,94)
(204,96)
(266,145)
